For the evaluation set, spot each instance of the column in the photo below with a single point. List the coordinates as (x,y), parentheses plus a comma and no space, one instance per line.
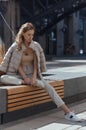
(60,39)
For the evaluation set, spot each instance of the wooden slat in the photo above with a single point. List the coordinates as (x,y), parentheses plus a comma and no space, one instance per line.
(21,89)
(19,107)
(42,101)
(59,87)
(57,83)
(14,104)
(58,90)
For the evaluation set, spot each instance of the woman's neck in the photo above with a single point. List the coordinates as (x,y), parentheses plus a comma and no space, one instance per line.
(27,43)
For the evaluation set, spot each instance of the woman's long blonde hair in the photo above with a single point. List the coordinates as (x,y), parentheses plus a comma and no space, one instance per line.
(23,29)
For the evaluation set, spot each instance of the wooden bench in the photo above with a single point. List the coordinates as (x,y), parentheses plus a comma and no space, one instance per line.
(15,98)
(19,97)
(26,96)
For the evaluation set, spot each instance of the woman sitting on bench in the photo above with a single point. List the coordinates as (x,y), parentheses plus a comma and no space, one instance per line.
(23,64)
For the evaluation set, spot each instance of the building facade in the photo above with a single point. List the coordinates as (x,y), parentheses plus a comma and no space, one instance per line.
(66,38)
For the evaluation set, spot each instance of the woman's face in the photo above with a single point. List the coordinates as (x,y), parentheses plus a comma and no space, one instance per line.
(28,36)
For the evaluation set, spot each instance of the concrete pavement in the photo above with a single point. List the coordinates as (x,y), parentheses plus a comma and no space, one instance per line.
(50,120)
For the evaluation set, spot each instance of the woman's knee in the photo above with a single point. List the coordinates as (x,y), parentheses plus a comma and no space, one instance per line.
(39,83)
(7,79)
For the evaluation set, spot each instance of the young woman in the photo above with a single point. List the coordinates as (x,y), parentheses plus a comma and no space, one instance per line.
(23,64)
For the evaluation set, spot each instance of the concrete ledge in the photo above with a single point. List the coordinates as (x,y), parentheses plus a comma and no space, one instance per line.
(74,86)
(3,96)
(75,98)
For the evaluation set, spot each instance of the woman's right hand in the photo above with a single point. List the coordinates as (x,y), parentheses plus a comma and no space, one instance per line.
(27,80)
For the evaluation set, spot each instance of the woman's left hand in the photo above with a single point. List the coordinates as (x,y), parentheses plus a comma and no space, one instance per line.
(33,81)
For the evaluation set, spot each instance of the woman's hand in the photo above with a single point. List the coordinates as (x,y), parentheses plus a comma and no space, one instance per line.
(27,81)
(33,81)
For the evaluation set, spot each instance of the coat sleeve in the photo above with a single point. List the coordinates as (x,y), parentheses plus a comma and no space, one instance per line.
(6,60)
(42,59)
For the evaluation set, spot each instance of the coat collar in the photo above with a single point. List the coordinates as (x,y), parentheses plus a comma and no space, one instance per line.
(32,46)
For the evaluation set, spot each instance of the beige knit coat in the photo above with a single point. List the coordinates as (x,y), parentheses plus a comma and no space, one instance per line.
(13,57)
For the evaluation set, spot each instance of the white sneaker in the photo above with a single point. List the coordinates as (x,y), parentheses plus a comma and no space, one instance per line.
(72,117)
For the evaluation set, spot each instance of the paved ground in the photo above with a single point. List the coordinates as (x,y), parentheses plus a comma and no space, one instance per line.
(65,62)
(62,73)
(50,120)
(54,119)
(65,69)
